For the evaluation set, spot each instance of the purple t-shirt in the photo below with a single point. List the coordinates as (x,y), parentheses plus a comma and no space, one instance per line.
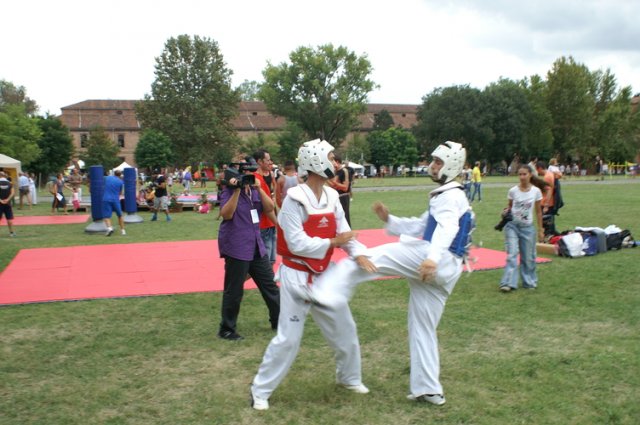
(239,237)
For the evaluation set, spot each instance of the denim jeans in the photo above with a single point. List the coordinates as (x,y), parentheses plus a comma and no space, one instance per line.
(269,238)
(477,188)
(520,239)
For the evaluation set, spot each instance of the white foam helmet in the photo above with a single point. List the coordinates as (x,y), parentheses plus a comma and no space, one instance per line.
(314,156)
(453,156)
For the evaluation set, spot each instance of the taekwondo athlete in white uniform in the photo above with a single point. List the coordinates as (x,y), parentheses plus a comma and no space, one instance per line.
(429,254)
(311,224)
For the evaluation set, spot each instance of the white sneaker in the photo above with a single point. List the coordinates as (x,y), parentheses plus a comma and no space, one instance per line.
(360,388)
(123,232)
(259,403)
(437,399)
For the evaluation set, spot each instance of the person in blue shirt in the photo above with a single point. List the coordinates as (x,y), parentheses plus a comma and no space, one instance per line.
(111,201)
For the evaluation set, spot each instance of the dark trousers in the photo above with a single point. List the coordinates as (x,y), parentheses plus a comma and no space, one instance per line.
(235,272)
(345,201)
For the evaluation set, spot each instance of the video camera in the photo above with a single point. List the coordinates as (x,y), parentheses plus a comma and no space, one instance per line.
(237,170)
(506,217)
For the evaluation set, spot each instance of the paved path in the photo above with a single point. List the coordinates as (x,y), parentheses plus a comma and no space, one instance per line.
(430,185)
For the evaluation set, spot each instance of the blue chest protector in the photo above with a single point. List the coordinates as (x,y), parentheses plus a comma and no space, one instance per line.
(461,243)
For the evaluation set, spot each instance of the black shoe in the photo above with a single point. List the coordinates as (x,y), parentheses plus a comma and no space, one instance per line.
(230,335)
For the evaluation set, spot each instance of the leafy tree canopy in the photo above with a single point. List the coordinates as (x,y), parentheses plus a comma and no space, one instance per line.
(19,134)
(248,90)
(456,113)
(322,91)
(382,120)
(393,146)
(192,101)
(101,150)
(55,144)
(154,150)
(11,94)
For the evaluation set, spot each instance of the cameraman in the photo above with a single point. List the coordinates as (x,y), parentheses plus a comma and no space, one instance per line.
(241,204)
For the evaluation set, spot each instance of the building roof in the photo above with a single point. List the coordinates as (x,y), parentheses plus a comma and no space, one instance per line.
(93,113)
(252,115)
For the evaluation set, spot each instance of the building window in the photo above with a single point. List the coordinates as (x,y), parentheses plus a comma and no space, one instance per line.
(255,114)
(119,112)
(121,140)
(404,115)
(83,140)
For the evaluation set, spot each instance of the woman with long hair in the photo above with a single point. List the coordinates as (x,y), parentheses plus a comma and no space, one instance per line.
(520,233)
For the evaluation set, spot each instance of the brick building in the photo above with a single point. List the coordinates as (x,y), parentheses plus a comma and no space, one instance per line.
(118,118)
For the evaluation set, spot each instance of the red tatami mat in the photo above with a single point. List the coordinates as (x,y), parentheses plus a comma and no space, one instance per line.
(31,220)
(141,269)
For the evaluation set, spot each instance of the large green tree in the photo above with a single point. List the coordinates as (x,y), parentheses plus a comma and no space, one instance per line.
(514,116)
(323,91)
(56,145)
(393,146)
(101,150)
(154,150)
(19,134)
(10,94)
(456,113)
(539,138)
(192,101)
(248,90)
(615,123)
(571,103)
(289,142)
(358,149)
(382,120)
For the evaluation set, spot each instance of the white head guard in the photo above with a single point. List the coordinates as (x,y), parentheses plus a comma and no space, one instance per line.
(314,156)
(453,155)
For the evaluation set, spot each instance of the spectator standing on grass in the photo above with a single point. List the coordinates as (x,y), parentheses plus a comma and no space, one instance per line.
(524,203)
(430,254)
(599,168)
(75,181)
(57,190)
(476,179)
(311,224)
(186,179)
(23,189)
(6,194)
(466,180)
(32,189)
(161,198)
(244,253)
(113,186)
(75,200)
(548,199)
(342,184)
(265,176)
(288,180)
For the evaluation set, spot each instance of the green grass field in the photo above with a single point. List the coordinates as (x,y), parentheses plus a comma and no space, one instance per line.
(567,353)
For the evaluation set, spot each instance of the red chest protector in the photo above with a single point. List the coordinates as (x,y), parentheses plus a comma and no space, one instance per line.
(321,223)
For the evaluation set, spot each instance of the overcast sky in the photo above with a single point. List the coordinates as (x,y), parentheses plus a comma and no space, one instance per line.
(67,51)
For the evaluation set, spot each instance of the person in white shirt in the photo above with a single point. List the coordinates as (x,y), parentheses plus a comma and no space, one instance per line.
(430,255)
(520,232)
(311,223)
(23,189)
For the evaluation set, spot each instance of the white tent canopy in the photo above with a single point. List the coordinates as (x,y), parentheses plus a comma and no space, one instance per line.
(11,166)
(355,166)
(122,166)
(80,164)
